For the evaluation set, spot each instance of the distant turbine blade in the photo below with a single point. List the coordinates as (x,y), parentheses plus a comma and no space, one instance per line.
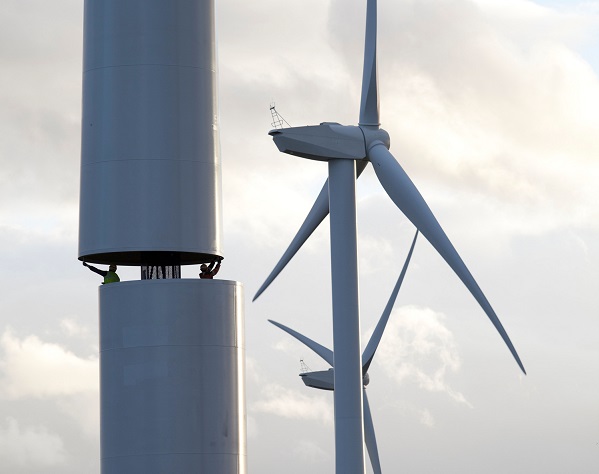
(319,211)
(375,339)
(408,199)
(369,105)
(370,437)
(322,351)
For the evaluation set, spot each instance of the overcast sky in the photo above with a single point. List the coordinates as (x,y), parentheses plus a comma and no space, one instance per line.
(493,110)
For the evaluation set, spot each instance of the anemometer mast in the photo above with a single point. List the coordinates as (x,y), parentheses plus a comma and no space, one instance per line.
(277,119)
(171,349)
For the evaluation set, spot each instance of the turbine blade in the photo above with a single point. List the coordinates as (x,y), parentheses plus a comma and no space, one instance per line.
(369,105)
(319,211)
(375,339)
(370,437)
(408,199)
(322,351)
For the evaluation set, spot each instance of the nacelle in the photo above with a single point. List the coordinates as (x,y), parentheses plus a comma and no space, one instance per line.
(325,379)
(321,142)
(322,379)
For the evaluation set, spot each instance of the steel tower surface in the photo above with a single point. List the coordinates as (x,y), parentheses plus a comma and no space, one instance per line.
(150,164)
(171,349)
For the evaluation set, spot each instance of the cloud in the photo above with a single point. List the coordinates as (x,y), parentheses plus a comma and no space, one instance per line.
(309,451)
(417,347)
(280,401)
(252,371)
(30,367)
(376,245)
(252,427)
(281,200)
(287,346)
(33,447)
(73,328)
(426,418)
(84,410)
(40,117)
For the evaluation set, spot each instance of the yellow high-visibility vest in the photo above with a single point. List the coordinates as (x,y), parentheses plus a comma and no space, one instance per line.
(111,277)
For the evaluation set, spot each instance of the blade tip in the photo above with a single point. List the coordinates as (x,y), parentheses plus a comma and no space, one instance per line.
(519,362)
(523,369)
(258,293)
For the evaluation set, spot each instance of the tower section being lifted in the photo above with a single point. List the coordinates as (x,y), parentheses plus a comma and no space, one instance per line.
(150,165)
(171,349)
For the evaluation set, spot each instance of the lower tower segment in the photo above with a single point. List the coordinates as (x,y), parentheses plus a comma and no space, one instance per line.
(172,377)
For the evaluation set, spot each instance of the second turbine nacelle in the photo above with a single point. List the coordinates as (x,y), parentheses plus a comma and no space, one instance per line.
(325,379)
(328,141)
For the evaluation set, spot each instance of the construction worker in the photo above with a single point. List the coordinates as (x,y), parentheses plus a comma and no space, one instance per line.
(110,276)
(208,271)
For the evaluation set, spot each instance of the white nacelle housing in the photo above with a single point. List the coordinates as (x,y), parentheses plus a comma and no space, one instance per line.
(325,379)
(321,142)
(322,379)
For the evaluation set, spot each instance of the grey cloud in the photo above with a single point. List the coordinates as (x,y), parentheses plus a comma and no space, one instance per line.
(26,449)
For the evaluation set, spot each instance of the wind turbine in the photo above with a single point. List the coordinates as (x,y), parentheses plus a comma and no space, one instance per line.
(348,149)
(324,379)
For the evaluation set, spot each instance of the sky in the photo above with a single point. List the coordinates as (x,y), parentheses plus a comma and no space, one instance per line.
(493,110)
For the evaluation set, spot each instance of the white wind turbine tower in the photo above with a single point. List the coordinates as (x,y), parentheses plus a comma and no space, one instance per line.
(348,149)
(324,379)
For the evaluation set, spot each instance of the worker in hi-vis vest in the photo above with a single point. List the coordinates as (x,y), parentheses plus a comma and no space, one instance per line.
(110,276)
